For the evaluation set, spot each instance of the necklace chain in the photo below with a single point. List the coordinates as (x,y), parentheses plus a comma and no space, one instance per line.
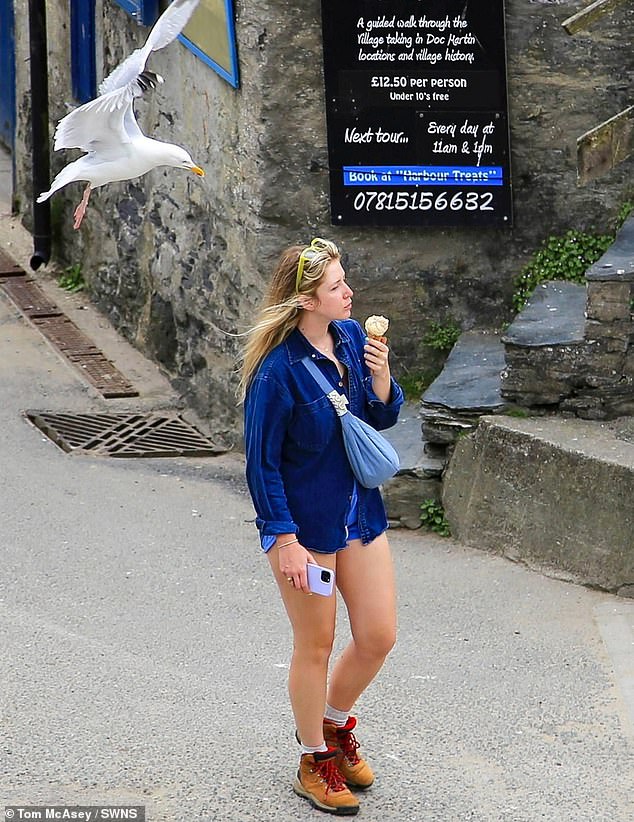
(328,349)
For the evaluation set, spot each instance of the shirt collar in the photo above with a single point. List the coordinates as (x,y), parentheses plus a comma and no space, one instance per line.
(297,346)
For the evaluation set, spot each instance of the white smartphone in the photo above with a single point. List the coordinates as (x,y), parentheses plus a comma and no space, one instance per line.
(320,580)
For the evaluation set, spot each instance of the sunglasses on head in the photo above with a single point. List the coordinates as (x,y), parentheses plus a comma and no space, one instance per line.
(306,256)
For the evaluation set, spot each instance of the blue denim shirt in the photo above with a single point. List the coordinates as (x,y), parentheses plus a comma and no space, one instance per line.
(297,470)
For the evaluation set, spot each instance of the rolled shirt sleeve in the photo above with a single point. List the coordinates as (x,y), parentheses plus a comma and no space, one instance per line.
(383,415)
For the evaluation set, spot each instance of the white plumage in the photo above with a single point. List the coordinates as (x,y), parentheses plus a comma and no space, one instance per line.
(106,127)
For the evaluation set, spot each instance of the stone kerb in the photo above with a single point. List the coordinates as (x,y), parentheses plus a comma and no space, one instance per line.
(530,489)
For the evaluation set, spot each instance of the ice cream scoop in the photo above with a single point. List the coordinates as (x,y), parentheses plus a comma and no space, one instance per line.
(376,327)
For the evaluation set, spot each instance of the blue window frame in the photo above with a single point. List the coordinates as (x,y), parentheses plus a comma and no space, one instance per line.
(83,67)
(210,34)
(7,75)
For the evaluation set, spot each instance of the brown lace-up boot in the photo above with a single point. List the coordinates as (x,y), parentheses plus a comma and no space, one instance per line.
(319,781)
(355,770)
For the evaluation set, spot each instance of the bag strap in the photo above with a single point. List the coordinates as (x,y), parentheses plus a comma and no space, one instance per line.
(339,401)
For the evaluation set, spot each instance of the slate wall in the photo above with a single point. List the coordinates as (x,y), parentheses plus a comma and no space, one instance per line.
(178,264)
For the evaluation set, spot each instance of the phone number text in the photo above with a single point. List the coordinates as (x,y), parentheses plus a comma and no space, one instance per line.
(423,201)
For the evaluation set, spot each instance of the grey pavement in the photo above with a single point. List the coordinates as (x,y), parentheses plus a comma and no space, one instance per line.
(145,651)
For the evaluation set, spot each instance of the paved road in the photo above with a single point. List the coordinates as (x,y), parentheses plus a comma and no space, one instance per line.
(145,651)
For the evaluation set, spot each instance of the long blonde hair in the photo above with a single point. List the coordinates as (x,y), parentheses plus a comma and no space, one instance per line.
(280,311)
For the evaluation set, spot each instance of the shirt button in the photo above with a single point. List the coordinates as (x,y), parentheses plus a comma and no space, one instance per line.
(341,383)
(313,356)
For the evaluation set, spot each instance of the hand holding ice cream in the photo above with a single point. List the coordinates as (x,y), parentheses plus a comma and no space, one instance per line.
(377,356)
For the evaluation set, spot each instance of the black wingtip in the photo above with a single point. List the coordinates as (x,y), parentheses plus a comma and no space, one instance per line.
(148,79)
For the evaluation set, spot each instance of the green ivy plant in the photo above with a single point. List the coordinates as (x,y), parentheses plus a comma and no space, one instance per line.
(442,337)
(624,212)
(433,517)
(565,257)
(414,384)
(71,279)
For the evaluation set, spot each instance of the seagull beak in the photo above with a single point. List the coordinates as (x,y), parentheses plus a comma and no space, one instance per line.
(197,170)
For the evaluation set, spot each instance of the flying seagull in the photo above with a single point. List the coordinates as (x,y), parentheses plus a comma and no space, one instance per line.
(106,127)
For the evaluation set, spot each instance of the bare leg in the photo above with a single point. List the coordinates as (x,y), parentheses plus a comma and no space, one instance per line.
(365,578)
(81,208)
(312,618)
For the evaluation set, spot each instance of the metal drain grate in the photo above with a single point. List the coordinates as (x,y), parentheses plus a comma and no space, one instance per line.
(30,298)
(104,375)
(65,335)
(124,435)
(81,351)
(67,338)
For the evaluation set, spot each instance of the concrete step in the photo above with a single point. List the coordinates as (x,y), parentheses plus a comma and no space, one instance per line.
(553,493)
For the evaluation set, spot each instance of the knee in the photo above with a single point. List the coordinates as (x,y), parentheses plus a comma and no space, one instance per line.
(386,641)
(379,643)
(315,650)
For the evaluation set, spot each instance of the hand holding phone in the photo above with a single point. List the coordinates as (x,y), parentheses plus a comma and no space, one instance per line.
(320,580)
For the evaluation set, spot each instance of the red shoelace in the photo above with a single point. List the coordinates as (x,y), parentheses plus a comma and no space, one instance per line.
(331,775)
(348,744)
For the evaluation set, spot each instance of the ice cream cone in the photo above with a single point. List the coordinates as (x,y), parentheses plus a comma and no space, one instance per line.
(376,326)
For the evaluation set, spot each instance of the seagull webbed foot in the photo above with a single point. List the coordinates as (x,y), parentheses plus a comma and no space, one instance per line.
(81,208)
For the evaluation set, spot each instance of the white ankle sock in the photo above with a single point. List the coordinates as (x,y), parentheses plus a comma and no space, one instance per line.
(333,715)
(306,749)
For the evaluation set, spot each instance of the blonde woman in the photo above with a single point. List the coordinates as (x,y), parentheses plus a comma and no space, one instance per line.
(310,509)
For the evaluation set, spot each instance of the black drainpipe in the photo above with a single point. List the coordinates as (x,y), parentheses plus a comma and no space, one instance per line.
(39,129)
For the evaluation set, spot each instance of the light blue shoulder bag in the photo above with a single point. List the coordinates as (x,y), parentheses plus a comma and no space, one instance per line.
(372,459)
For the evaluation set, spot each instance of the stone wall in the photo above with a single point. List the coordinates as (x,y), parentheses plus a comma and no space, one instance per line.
(178,264)
(572,348)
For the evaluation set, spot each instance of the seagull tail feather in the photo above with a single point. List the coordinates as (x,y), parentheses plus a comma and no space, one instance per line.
(67,175)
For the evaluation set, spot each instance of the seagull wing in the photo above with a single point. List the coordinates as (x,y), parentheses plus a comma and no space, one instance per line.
(107,120)
(167,28)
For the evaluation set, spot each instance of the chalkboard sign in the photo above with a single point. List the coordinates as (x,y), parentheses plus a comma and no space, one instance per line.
(417,112)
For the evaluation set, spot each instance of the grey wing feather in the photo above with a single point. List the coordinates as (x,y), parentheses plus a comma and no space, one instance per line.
(101,119)
(124,73)
(167,28)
